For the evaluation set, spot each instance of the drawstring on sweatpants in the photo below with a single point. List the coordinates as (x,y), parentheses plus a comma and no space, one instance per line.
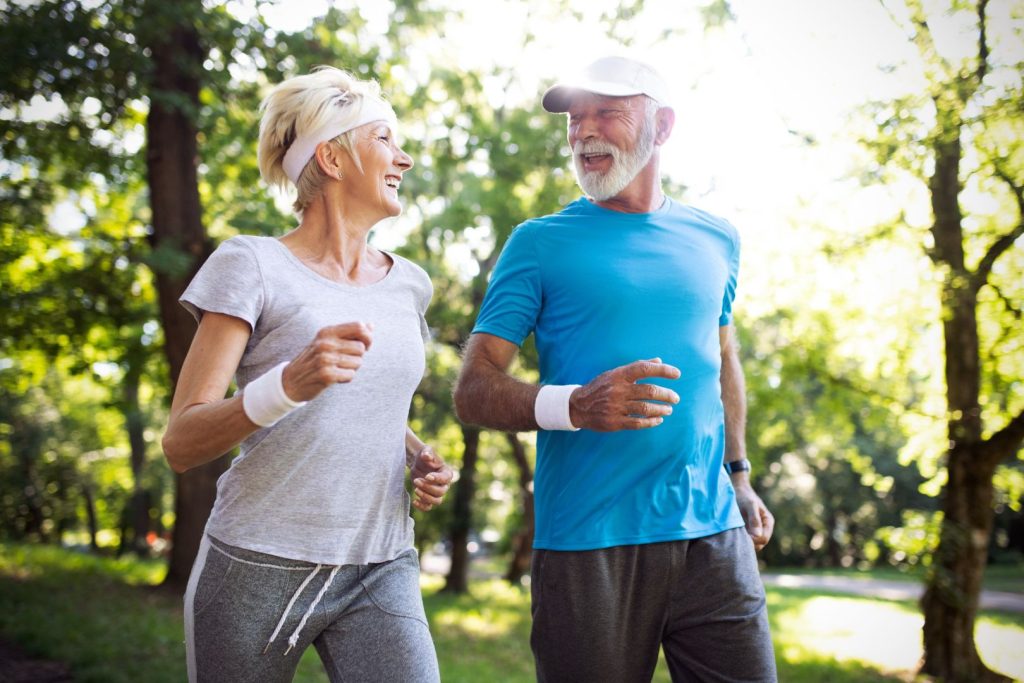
(293,640)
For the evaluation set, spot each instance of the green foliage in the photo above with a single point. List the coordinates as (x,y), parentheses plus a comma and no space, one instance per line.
(823,439)
(915,538)
(972,96)
(40,478)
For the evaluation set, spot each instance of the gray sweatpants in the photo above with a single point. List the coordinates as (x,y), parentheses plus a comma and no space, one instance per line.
(601,615)
(250,616)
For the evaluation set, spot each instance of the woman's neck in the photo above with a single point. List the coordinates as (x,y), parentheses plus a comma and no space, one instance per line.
(336,246)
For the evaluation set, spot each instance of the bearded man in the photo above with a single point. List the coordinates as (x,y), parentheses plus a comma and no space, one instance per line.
(646,522)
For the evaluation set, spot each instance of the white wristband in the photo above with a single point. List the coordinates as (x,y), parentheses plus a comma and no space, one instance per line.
(264,400)
(552,407)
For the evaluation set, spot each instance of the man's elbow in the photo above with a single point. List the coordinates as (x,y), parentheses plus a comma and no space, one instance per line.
(173,454)
(463,401)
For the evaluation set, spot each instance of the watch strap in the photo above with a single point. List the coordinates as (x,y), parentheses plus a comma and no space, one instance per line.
(741,465)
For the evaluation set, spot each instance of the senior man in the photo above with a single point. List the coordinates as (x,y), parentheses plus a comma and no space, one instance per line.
(647,524)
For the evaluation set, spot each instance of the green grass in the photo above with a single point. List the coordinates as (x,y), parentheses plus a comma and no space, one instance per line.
(103,617)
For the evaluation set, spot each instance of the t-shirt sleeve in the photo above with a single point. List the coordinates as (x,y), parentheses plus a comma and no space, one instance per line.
(730,285)
(229,282)
(513,300)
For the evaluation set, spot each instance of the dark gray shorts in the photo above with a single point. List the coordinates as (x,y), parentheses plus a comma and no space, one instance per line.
(250,616)
(601,615)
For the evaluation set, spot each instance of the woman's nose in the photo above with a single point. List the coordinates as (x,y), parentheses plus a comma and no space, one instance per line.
(403,160)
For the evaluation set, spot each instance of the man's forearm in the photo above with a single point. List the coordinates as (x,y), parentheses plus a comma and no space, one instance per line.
(491,398)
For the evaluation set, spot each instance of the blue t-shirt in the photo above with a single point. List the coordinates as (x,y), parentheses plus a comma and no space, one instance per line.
(600,289)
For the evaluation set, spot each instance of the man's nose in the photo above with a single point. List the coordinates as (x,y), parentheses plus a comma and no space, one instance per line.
(582,131)
(587,128)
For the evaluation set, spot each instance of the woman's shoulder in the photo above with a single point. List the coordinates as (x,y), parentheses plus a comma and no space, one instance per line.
(253,249)
(410,274)
(252,243)
(407,267)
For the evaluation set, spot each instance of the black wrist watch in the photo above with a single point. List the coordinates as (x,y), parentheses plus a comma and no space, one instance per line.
(741,465)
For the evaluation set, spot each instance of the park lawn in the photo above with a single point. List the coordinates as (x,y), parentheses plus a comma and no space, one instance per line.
(103,617)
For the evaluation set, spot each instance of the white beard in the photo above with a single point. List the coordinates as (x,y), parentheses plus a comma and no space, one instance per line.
(626,165)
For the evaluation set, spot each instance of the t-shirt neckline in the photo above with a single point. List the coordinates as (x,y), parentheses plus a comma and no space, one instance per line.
(298,263)
(665,207)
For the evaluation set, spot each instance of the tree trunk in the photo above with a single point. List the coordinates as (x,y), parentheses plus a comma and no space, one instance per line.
(462,513)
(90,513)
(138,516)
(950,601)
(522,542)
(171,157)
(953,586)
(834,548)
(28,451)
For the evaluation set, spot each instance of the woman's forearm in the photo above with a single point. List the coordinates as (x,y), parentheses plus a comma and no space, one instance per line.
(203,432)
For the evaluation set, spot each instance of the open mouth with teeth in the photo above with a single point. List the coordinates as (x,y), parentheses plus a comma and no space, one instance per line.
(392,181)
(593,162)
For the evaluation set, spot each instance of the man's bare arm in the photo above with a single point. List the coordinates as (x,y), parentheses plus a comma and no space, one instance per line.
(759,521)
(734,396)
(486,395)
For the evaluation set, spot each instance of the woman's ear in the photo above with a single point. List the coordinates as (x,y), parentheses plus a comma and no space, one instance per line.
(329,158)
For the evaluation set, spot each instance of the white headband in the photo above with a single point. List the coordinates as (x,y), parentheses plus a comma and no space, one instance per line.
(304,146)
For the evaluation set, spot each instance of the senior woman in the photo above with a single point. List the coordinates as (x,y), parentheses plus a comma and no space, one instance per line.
(310,539)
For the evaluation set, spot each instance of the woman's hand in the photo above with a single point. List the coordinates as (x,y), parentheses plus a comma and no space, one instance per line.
(431,477)
(333,357)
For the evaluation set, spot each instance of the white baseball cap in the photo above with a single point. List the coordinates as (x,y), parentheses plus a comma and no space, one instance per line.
(614,76)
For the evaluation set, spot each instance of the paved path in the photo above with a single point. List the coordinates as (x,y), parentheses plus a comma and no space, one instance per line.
(886,589)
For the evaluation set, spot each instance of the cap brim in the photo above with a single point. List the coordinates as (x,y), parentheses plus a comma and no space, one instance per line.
(558,97)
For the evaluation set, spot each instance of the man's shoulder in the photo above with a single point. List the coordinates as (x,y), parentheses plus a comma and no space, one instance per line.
(706,218)
(569,211)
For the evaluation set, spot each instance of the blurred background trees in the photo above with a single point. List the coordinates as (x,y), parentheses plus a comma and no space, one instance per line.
(127,153)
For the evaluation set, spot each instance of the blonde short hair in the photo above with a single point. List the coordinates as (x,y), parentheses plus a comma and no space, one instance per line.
(303,104)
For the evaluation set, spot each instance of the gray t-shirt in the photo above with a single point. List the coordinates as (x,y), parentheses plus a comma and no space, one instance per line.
(327,482)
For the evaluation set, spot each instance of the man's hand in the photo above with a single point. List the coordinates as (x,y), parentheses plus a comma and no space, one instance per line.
(760,522)
(614,401)
(431,477)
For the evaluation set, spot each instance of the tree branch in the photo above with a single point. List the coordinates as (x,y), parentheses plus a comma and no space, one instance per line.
(1010,306)
(896,22)
(982,43)
(1006,441)
(1006,241)
(519,455)
(936,68)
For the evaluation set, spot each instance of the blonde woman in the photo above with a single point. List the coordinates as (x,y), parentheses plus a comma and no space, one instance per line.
(310,540)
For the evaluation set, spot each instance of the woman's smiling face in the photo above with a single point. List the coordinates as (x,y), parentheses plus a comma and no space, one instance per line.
(374,190)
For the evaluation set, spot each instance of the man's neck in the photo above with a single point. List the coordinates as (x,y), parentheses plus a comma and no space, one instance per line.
(642,195)
(629,204)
